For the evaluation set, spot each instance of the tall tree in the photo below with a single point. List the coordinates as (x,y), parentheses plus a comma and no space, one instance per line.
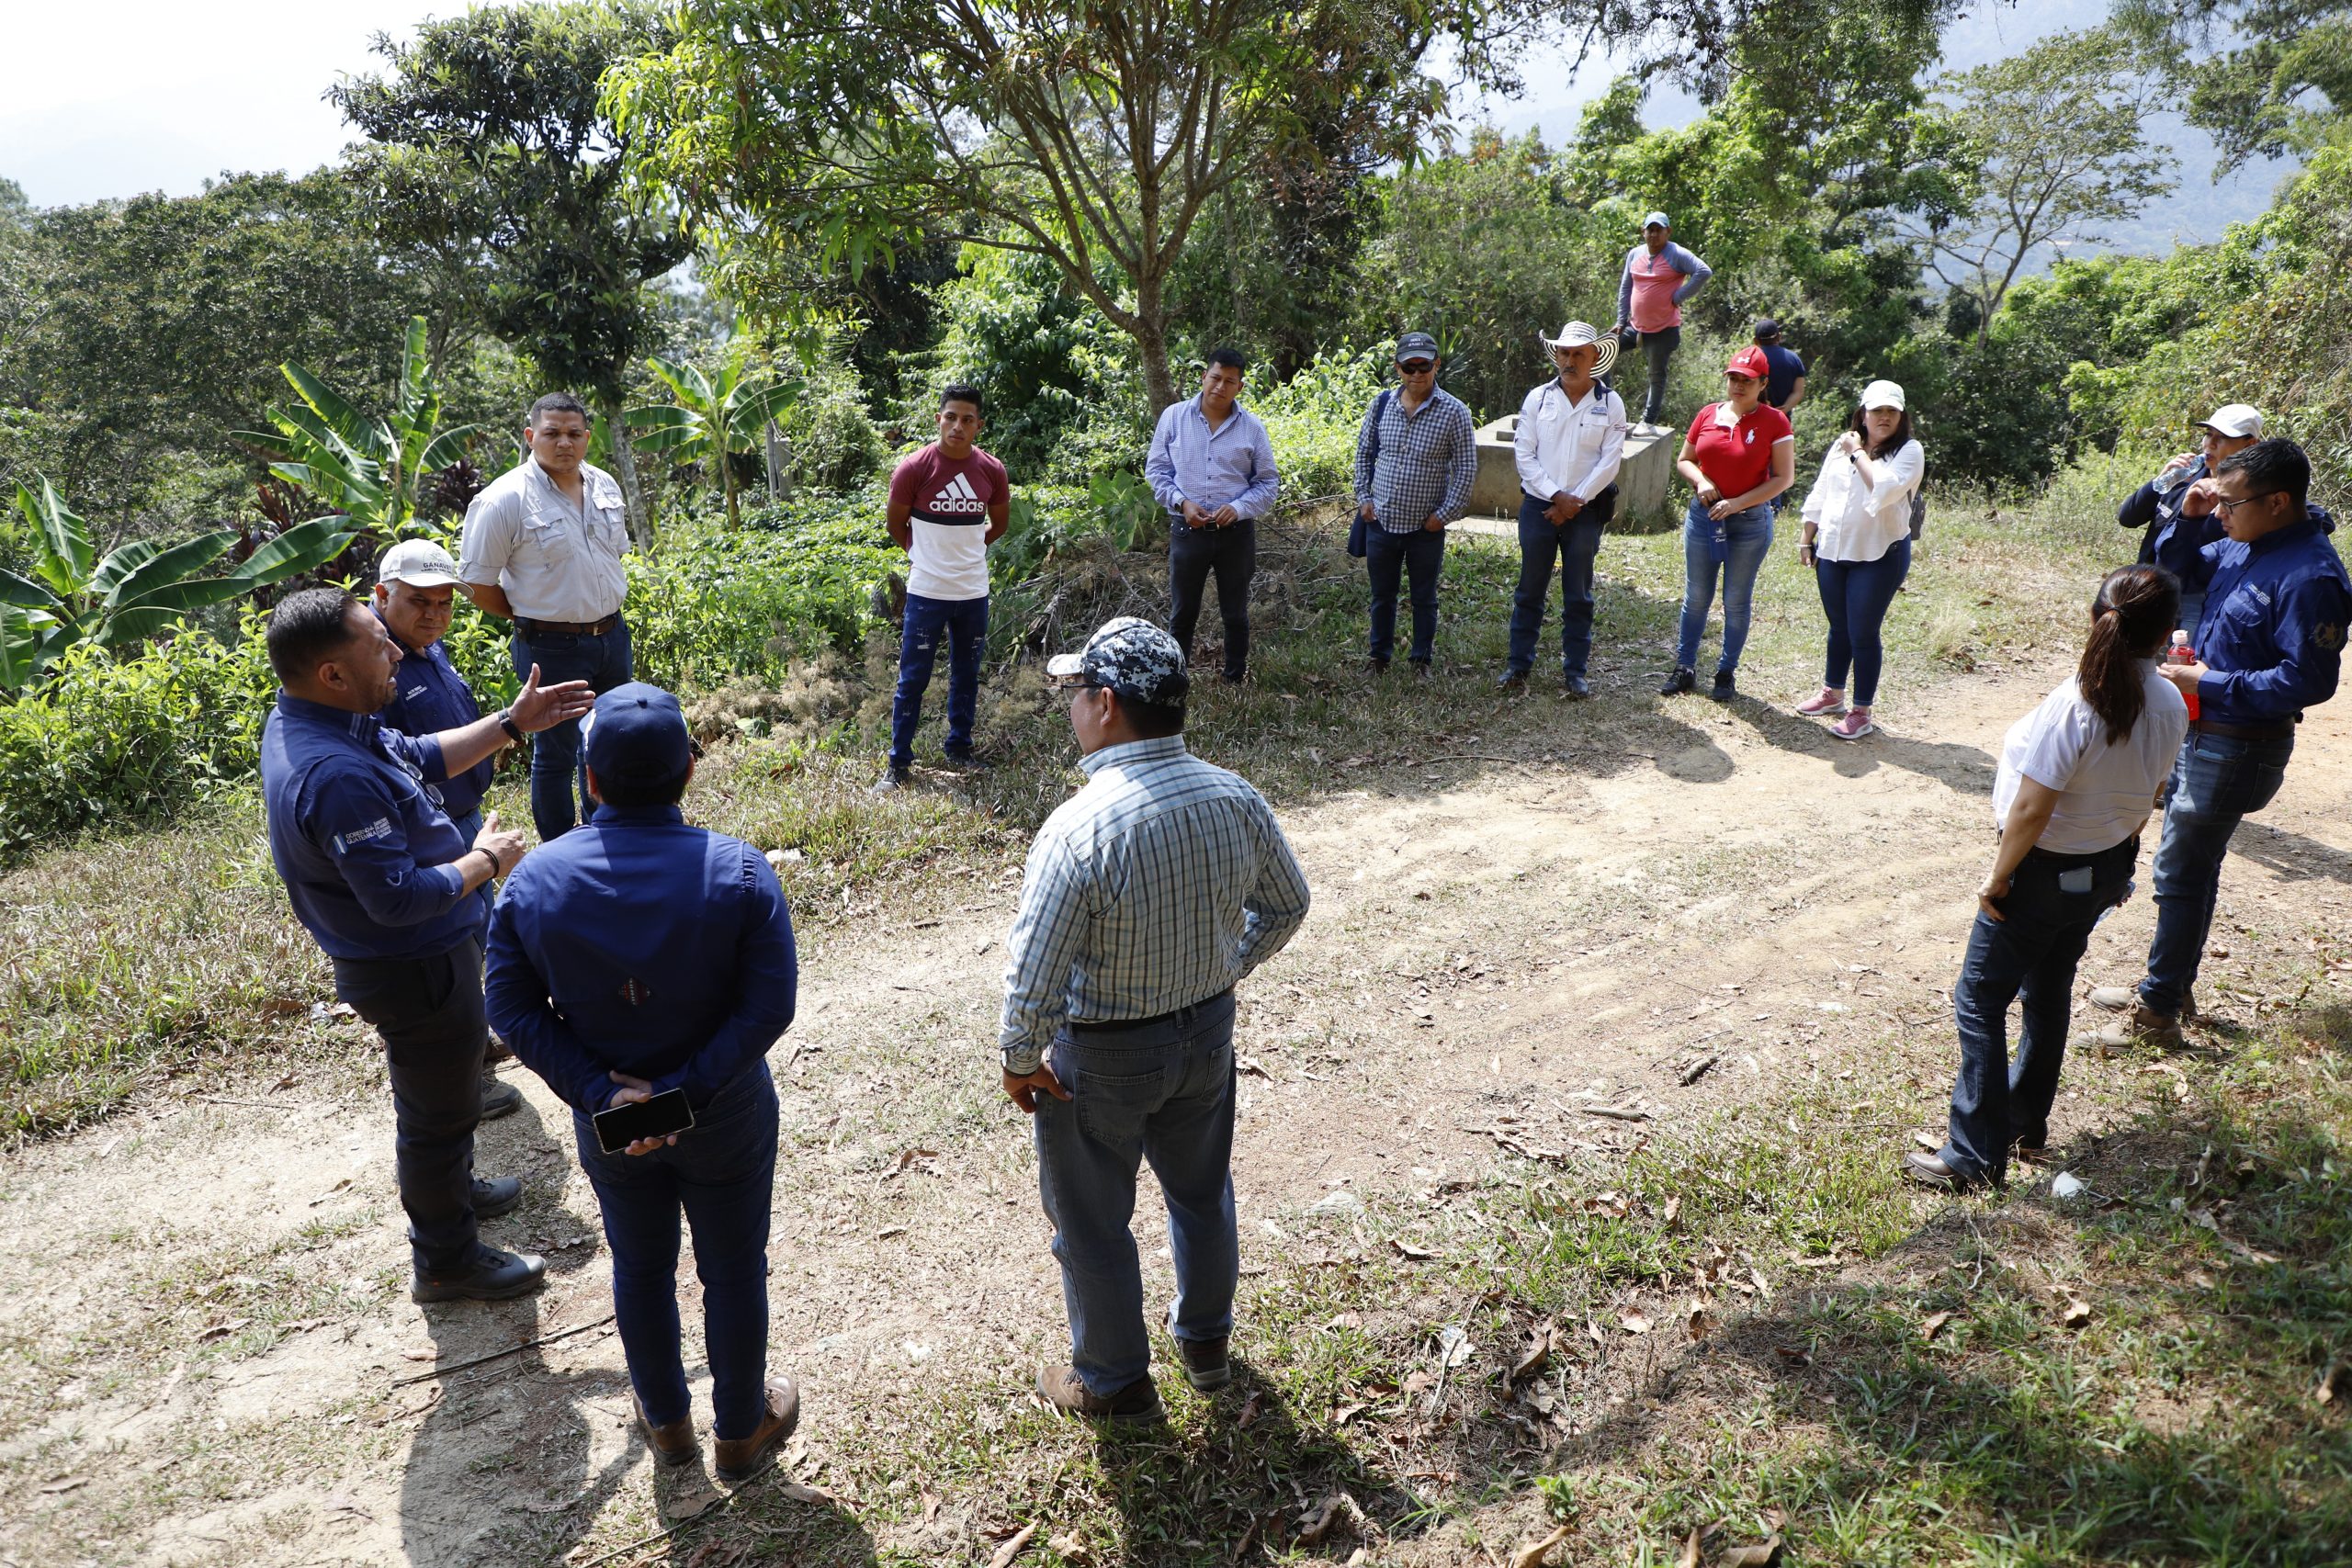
(493,142)
(2270,76)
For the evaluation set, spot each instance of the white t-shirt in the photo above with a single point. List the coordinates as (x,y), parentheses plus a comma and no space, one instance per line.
(2103,789)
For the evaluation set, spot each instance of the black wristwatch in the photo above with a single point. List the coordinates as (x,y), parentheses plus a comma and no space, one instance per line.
(506,722)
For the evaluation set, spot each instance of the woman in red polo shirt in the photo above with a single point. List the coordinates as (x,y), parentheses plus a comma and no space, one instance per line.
(1739,454)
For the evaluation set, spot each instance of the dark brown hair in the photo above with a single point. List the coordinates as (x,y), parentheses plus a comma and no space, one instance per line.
(1860,426)
(2130,620)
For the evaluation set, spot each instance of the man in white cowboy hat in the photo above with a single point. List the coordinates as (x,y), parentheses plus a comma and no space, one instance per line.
(1569,441)
(2155,506)
(1659,274)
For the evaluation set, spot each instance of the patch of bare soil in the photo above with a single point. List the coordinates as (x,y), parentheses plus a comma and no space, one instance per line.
(207,1355)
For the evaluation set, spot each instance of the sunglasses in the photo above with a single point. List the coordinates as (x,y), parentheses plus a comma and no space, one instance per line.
(2230,508)
(1416,366)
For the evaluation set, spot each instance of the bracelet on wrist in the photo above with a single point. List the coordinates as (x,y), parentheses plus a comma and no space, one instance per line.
(506,722)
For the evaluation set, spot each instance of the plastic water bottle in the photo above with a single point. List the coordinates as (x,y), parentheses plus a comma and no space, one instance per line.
(2181,653)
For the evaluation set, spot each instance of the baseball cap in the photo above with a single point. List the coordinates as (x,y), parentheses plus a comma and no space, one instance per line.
(1416,345)
(1882,395)
(420,563)
(638,734)
(1766,328)
(1656,219)
(1131,656)
(1750,361)
(2233,419)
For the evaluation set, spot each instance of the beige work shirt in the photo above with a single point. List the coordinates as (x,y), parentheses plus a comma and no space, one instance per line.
(555,561)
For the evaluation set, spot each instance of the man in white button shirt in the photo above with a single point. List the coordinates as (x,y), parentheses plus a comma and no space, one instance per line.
(1569,442)
(542,547)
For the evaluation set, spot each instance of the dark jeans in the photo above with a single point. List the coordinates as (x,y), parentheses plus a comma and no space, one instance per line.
(721,1172)
(964,623)
(1855,595)
(1749,534)
(1161,1093)
(2216,782)
(2030,953)
(1230,552)
(556,768)
(428,1011)
(1574,544)
(1388,557)
(1659,348)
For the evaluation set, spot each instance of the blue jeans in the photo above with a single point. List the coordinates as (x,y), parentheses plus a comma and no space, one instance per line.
(721,1172)
(1659,348)
(1855,595)
(2216,782)
(1163,1092)
(965,623)
(1388,557)
(557,770)
(1574,544)
(2030,954)
(1751,536)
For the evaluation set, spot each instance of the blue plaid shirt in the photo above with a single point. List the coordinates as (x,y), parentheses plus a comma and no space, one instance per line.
(1427,461)
(1158,885)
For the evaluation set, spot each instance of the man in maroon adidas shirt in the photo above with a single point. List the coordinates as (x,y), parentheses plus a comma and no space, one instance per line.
(949,502)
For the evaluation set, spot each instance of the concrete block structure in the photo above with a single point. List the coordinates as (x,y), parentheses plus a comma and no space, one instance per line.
(1646,483)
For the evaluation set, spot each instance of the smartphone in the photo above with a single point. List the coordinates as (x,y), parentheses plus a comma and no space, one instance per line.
(656,1117)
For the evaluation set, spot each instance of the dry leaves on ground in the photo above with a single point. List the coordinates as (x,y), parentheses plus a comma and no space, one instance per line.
(1014,1546)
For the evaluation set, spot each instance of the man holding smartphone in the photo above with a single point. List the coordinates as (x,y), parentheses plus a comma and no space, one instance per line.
(643,968)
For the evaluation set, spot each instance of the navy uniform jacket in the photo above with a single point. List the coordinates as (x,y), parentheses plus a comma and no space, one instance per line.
(430,697)
(2158,511)
(2274,625)
(635,943)
(364,852)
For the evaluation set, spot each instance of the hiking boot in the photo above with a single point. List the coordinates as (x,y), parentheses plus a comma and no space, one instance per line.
(1930,1170)
(1828,703)
(2123,999)
(2141,1026)
(1512,680)
(495,1052)
(496,1195)
(490,1275)
(1575,688)
(1854,726)
(1684,679)
(1722,691)
(1206,1365)
(674,1444)
(893,779)
(1136,1403)
(740,1458)
(499,1099)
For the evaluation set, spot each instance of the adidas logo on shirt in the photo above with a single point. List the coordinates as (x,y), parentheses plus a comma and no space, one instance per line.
(956,497)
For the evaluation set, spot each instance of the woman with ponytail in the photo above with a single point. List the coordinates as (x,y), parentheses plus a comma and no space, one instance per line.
(2078,777)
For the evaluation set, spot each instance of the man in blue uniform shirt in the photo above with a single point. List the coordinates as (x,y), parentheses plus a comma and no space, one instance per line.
(633,956)
(2155,507)
(378,875)
(2270,645)
(416,587)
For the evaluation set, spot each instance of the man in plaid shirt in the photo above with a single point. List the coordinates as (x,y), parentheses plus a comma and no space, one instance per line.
(1147,896)
(1416,458)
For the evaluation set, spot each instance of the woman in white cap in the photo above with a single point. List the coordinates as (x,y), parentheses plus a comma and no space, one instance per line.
(1858,541)
(1568,443)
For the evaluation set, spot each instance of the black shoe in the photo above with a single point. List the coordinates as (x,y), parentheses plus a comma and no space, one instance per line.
(1512,680)
(1722,691)
(491,1275)
(499,1099)
(1231,678)
(967,762)
(893,779)
(1575,688)
(496,1195)
(1930,1170)
(1683,680)
(1422,670)
(1376,667)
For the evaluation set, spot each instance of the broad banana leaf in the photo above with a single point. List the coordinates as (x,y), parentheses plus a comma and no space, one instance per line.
(305,547)
(171,603)
(19,646)
(446,449)
(667,428)
(755,408)
(359,431)
(65,538)
(690,385)
(268,443)
(165,569)
(24,592)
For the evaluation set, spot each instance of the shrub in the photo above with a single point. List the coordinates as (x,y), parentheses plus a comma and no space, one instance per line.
(1315,417)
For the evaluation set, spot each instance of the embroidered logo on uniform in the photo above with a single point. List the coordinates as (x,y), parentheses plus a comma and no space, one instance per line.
(416,691)
(958,497)
(379,828)
(2327,636)
(634,992)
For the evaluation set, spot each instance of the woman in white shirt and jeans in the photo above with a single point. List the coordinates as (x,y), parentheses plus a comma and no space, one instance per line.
(1858,541)
(2078,777)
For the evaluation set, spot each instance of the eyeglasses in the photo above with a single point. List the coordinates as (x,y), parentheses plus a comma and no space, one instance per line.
(1416,366)
(2230,508)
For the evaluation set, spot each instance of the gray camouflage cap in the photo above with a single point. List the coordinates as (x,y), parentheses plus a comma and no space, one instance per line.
(1130,656)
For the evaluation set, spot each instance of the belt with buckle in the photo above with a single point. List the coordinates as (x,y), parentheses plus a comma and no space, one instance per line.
(1109,1025)
(2283,730)
(530,628)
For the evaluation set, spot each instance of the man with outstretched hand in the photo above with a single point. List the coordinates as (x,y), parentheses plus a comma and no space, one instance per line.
(378,875)
(1148,895)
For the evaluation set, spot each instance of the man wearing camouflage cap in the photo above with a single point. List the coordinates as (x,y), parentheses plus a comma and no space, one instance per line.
(1148,895)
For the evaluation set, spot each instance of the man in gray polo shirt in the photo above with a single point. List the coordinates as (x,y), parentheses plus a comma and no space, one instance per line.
(1148,895)
(542,547)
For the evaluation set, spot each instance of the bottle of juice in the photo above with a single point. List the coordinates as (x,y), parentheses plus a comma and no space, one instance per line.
(2181,653)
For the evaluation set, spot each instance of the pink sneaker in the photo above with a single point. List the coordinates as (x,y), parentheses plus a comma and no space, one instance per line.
(1830,701)
(1854,726)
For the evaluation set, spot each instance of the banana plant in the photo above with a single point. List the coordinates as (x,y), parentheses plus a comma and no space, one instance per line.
(372,469)
(712,420)
(136,590)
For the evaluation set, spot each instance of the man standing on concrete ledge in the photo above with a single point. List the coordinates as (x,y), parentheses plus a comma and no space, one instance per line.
(1569,445)
(1417,458)
(1212,466)
(1148,895)
(1659,274)
(543,549)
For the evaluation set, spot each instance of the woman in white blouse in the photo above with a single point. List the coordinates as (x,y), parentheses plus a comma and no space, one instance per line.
(1858,541)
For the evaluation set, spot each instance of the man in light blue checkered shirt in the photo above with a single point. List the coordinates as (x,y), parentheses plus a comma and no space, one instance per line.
(1417,458)
(1148,895)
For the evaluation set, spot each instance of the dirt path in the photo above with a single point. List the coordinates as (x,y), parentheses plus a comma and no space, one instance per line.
(209,1358)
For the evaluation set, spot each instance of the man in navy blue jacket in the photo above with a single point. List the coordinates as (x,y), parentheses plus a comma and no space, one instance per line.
(633,956)
(2270,644)
(378,875)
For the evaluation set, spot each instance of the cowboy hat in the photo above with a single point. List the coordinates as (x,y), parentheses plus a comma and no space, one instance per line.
(1575,335)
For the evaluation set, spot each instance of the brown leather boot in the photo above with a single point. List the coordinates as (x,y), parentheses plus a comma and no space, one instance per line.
(1208,1364)
(740,1458)
(1138,1401)
(674,1444)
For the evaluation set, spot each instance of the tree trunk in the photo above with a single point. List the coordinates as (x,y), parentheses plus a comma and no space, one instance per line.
(1151,344)
(726,483)
(640,527)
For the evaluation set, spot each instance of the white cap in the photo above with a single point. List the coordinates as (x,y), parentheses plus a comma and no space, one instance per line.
(2233,419)
(420,563)
(1882,395)
(1658,219)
